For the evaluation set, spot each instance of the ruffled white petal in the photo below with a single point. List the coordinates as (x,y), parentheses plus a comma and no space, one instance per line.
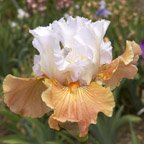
(105,53)
(37,66)
(48,47)
(71,50)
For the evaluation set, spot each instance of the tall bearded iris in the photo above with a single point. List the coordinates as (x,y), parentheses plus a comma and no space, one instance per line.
(74,74)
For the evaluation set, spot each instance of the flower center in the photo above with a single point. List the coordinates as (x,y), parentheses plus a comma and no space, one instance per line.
(73,86)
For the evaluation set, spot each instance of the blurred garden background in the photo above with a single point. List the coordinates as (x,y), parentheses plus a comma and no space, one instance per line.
(126,126)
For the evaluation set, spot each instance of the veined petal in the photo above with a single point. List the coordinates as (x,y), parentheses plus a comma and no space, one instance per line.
(106,71)
(77,104)
(122,67)
(122,71)
(23,96)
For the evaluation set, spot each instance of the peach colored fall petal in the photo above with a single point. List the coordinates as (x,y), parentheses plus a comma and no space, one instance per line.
(123,71)
(132,51)
(122,67)
(137,51)
(53,123)
(106,71)
(23,96)
(77,104)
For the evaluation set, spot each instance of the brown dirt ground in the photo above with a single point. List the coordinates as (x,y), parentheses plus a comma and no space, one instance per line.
(124,136)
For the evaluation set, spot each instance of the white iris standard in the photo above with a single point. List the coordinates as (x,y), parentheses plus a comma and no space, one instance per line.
(71,49)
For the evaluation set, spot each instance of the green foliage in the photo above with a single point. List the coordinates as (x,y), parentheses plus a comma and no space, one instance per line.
(134,138)
(105,131)
(30,131)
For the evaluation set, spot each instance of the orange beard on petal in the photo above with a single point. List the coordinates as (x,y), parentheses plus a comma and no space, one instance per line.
(77,104)
(122,67)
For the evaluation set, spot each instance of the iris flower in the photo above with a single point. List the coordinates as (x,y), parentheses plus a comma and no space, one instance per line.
(74,74)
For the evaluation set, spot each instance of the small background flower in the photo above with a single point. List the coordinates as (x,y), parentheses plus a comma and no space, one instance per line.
(102,10)
(61,4)
(13,24)
(36,6)
(142,47)
(22,14)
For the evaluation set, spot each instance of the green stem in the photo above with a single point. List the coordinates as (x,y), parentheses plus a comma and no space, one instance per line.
(83,140)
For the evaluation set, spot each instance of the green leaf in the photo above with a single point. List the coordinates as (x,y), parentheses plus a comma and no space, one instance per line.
(52,142)
(134,138)
(13,139)
(128,118)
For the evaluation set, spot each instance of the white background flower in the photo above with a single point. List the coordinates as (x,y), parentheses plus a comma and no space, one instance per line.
(22,14)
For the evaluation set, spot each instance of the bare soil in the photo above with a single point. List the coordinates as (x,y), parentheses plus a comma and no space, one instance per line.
(124,136)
